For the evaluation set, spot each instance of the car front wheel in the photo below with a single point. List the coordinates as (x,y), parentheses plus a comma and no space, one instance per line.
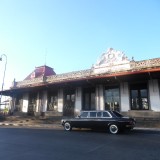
(113,128)
(67,126)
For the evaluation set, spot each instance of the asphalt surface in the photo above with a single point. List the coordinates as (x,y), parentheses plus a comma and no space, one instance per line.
(55,144)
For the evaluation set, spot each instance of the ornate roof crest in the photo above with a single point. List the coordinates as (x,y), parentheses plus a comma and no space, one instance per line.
(112,57)
(112,60)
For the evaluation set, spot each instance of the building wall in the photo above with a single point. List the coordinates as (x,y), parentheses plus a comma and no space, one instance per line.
(153,96)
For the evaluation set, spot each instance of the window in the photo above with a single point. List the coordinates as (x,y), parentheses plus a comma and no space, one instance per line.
(84,114)
(139,96)
(112,99)
(99,114)
(69,102)
(73,97)
(88,99)
(105,114)
(117,114)
(67,97)
(93,114)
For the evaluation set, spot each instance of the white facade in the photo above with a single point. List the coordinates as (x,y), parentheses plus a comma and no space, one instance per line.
(114,82)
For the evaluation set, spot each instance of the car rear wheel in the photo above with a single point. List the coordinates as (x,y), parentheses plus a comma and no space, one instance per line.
(67,126)
(113,128)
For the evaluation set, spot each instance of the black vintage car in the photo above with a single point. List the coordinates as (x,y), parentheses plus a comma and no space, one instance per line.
(109,120)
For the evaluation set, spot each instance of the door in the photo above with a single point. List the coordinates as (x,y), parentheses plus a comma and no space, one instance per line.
(112,99)
(52,101)
(89,99)
(69,103)
(32,103)
(139,96)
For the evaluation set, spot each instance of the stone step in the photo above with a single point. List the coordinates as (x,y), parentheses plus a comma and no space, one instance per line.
(148,122)
(52,113)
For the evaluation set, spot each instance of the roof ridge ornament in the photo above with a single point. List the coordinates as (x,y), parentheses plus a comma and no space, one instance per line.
(111,59)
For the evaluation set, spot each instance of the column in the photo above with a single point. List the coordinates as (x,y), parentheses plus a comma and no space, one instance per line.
(154,95)
(60,100)
(25,102)
(37,103)
(78,102)
(99,98)
(12,104)
(44,102)
(124,97)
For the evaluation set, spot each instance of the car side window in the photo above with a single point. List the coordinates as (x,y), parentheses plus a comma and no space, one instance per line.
(84,115)
(106,115)
(93,114)
(99,114)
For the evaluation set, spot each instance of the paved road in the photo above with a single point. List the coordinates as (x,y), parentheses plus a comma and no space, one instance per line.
(49,144)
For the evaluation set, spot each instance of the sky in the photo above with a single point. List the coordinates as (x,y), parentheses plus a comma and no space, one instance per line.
(70,35)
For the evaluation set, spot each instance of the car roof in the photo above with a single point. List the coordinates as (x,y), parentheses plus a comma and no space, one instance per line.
(96,111)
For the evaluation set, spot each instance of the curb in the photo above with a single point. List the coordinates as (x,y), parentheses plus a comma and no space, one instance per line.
(59,126)
(147,129)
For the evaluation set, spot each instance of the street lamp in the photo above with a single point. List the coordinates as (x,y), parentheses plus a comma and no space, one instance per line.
(3,75)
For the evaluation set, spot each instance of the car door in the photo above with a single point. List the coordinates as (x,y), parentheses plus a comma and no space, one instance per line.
(96,120)
(82,121)
(92,123)
(103,119)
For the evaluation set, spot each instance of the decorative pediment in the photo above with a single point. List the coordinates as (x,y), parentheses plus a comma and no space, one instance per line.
(112,60)
(112,57)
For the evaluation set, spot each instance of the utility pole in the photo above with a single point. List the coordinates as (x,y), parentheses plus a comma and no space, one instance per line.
(3,55)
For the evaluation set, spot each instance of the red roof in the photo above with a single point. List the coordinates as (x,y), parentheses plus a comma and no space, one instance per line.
(40,72)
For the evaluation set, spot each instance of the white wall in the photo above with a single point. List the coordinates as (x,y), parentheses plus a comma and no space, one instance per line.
(154,95)
(25,102)
(124,97)
(78,102)
(60,100)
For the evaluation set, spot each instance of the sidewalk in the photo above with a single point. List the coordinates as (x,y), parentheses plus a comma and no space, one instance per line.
(29,121)
(53,123)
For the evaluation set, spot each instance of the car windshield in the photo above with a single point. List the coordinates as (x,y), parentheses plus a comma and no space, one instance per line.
(117,114)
